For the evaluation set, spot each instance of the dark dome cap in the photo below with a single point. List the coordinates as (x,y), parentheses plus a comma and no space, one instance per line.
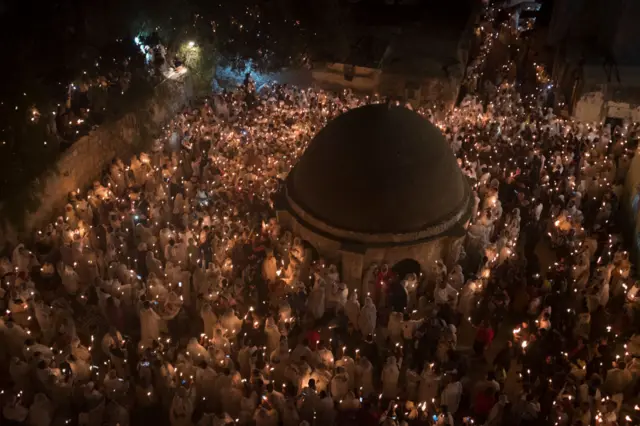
(380,170)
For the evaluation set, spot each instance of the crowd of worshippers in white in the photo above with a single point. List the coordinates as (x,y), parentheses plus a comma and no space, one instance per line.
(168,293)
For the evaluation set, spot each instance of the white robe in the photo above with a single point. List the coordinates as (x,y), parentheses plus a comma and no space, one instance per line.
(428,388)
(269,268)
(149,325)
(412,382)
(181,409)
(19,371)
(69,279)
(208,319)
(41,411)
(197,352)
(390,375)
(339,386)
(231,324)
(350,367)
(117,414)
(264,417)
(451,396)
(15,412)
(364,377)
(273,335)
(367,318)
(467,300)
(325,358)
(316,302)
(352,309)
(205,382)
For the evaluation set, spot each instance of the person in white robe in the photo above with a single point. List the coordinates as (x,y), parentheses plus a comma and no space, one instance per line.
(618,379)
(69,277)
(116,414)
(412,382)
(282,352)
(497,412)
(20,371)
(81,369)
(220,342)
(14,337)
(394,327)
(339,384)
(197,352)
(302,350)
(41,411)
(154,266)
(273,335)
(244,358)
(80,351)
(13,410)
(230,323)
(429,381)
(23,260)
(149,323)
(266,417)
(209,319)
(275,398)
(444,294)
(316,300)
(248,405)
(43,317)
(231,400)
(369,282)
(364,376)
(32,347)
(325,411)
(390,376)
(352,309)
(410,284)
(451,396)
(367,318)
(290,416)
(325,356)
(468,297)
(284,312)
(146,395)
(182,408)
(270,268)
(456,278)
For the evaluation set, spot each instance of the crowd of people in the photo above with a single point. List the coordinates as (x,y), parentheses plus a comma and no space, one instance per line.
(98,93)
(169,292)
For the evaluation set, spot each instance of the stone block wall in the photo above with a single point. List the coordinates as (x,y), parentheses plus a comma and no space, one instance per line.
(589,107)
(87,158)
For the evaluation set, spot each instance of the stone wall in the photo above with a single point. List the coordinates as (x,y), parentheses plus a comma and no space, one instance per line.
(592,107)
(332,76)
(88,157)
(589,107)
(630,205)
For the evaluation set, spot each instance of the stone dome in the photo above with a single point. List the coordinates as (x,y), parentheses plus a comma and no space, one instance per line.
(379,170)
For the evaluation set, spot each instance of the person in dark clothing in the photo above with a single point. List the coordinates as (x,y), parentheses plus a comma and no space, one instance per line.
(502,361)
(398,296)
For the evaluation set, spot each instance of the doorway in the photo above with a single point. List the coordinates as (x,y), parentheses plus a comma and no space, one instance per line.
(405,267)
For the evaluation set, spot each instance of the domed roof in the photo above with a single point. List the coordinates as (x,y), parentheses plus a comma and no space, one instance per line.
(380,170)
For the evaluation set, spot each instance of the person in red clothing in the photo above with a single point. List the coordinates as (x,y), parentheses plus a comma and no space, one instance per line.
(484,337)
(484,402)
(314,337)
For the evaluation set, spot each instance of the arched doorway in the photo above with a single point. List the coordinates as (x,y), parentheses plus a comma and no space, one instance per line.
(405,267)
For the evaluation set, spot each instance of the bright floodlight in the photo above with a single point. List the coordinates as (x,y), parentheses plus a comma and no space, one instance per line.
(191,44)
